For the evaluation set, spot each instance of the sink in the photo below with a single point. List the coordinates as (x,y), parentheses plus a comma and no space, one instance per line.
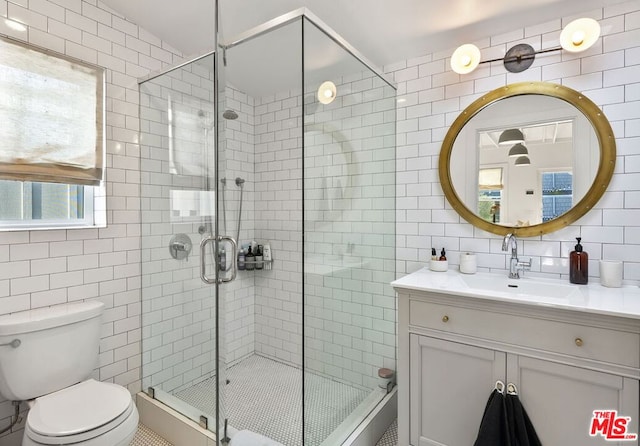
(535,291)
(538,288)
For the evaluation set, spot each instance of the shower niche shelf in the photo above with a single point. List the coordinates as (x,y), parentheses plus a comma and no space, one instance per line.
(267,265)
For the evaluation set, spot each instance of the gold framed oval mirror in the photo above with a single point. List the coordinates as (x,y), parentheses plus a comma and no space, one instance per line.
(528,158)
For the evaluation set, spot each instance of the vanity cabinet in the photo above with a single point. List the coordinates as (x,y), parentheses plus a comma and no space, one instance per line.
(565,364)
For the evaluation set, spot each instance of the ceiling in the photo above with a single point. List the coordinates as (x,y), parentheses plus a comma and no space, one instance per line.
(384,31)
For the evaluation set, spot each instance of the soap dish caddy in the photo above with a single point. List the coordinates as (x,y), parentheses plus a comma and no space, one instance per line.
(439,265)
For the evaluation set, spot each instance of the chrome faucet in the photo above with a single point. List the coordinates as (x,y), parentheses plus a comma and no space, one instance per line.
(515,264)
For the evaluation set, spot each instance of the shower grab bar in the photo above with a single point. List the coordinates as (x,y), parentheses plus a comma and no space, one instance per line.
(203,266)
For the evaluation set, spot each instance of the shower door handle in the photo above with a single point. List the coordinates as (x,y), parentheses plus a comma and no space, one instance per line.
(203,266)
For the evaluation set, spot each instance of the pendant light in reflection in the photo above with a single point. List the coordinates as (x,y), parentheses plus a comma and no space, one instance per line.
(518,150)
(523,161)
(510,137)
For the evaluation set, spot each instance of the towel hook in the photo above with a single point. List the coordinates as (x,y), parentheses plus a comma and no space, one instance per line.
(499,386)
(512,389)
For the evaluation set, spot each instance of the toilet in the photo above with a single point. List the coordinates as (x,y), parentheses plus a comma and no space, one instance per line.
(47,356)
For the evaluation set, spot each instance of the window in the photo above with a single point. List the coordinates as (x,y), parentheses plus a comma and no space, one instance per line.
(490,186)
(27,205)
(557,194)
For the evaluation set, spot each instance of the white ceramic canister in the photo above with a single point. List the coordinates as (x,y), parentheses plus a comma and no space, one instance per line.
(468,263)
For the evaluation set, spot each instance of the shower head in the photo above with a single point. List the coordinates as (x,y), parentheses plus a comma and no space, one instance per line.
(239,181)
(230,114)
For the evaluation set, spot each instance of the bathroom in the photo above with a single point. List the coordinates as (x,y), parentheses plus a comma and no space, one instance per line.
(44,268)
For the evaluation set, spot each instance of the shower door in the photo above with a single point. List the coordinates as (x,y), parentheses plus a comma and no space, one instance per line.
(178,210)
(182,283)
(259,156)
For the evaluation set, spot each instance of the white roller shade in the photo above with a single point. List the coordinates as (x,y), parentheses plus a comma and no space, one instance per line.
(51,116)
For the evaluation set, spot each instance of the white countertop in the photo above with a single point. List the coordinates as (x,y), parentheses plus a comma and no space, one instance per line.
(591,298)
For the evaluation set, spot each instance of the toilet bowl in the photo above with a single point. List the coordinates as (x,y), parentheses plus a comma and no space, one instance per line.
(90,413)
(46,358)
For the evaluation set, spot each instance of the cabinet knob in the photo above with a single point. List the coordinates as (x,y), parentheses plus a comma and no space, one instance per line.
(579,342)
(445,318)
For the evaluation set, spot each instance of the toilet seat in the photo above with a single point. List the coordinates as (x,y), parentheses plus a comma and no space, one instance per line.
(79,413)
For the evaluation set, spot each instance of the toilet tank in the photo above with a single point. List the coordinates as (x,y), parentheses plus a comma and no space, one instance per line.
(58,347)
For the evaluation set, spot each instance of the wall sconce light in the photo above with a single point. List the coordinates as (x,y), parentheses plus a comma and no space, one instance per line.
(518,150)
(465,59)
(522,161)
(327,92)
(510,137)
(579,35)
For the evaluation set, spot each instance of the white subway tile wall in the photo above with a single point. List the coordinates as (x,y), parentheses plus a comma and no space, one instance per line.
(608,73)
(349,218)
(177,141)
(239,162)
(278,213)
(41,268)
(44,268)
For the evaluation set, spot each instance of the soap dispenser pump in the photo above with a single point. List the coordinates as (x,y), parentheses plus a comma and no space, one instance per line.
(579,265)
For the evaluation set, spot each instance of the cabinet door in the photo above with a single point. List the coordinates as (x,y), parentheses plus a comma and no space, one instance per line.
(560,399)
(449,385)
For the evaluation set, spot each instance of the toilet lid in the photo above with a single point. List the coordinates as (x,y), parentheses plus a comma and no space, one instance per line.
(79,408)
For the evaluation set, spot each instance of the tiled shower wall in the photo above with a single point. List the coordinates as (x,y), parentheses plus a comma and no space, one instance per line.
(41,268)
(349,209)
(178,311)
(349,215)
(433,95)
(178,321)
(278,169)
(239,296)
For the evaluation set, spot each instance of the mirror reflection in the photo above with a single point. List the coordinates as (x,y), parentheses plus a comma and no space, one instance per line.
(524,160)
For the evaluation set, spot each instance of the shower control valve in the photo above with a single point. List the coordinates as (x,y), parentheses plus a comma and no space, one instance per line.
(180,246)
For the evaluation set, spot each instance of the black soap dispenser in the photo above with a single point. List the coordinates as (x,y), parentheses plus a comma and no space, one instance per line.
(579,265)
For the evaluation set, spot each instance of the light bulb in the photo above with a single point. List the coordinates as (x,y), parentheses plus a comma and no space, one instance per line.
(465,60)
(578,37)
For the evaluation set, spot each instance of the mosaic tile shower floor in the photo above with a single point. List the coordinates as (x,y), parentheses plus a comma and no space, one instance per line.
(265,396)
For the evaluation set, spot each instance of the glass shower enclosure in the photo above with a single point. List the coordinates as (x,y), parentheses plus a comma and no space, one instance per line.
(304,177)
